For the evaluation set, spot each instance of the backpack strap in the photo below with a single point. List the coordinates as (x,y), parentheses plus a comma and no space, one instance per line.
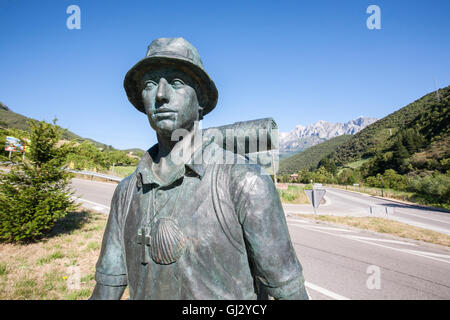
(224,213)
(227,217)
(128,195)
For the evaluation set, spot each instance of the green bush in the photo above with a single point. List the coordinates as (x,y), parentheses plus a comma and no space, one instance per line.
(347,176)
(389,180)
(35,194)
(434,189)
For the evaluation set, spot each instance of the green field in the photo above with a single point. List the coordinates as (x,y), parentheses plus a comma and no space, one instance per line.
(122,171)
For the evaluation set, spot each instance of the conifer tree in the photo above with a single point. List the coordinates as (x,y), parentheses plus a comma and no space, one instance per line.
(35,193)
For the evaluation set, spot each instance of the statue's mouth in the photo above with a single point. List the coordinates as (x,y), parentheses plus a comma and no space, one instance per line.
(164,110)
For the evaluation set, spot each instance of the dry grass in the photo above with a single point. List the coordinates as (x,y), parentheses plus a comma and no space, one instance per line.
(293,195)
(40,270)
(386,226)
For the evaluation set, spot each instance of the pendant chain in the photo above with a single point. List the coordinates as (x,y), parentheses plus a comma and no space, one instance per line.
(153,199)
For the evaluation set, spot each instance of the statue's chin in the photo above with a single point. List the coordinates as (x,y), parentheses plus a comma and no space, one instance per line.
(164,127)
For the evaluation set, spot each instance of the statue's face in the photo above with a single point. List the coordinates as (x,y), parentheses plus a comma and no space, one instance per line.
(170,100)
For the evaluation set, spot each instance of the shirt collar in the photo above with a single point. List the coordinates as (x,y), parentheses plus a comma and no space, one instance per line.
(194,162)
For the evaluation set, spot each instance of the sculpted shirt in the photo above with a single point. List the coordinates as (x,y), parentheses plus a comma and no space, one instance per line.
(209,231)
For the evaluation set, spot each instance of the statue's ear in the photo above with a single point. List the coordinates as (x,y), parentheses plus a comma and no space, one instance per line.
(200,112)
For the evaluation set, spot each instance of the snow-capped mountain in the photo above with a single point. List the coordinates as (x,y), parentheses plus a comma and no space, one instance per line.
(303,137)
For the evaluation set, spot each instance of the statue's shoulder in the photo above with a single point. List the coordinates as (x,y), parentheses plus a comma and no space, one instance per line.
(125,185)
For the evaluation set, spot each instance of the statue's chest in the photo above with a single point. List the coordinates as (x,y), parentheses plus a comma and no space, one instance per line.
(162,222)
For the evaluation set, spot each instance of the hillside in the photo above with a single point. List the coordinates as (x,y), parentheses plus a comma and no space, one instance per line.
(12,120)
(427,116)
(310,157)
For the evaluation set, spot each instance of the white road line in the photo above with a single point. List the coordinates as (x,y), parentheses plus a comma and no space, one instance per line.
(297,221)
(331,228)
(446,256)
(324,291)
(382,240)
(98,208)
(326,228)
(420,225)
(416,253)
(90,181)
(291,212)
(94,203)
(420,215)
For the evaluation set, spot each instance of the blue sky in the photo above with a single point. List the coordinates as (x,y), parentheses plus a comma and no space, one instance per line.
(295,61)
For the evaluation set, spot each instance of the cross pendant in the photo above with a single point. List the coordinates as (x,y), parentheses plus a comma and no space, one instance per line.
(143,239)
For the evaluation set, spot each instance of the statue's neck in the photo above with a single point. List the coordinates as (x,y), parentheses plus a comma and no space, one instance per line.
(166,144)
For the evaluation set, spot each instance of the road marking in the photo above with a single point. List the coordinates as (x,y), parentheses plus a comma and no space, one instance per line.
(329,228)
(431,254)
(415,223)
(291,212)
(297,221)
(98,208)
(382,240)
(420,215)
(89,181)
(98,205)
(412,252)
(324,291)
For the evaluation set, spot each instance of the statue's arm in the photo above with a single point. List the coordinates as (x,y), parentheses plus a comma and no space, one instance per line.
(269,247)
(111,272)
(103,292)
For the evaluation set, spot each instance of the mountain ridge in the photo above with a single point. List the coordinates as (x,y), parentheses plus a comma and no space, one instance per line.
(303,137)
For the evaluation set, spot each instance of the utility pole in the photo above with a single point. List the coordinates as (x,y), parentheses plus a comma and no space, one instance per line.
(437,90)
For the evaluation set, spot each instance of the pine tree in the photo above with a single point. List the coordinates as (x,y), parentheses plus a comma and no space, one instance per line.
(35,194)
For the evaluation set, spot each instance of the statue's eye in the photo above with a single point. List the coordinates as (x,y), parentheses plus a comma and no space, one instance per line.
(177,83)
(149,84)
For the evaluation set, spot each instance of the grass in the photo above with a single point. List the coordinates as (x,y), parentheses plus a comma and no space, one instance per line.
(40,271)
(3,269)
(382,225)
(54,256)
(293,195)
(357,164)
(122,171)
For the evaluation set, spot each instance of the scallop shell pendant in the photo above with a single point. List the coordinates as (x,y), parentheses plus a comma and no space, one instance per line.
(167,241)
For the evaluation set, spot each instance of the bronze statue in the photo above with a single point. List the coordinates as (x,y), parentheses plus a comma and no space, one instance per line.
(189,223)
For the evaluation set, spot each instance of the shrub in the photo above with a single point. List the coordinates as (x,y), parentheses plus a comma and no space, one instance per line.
(389,179)
(35,194)
(434,189)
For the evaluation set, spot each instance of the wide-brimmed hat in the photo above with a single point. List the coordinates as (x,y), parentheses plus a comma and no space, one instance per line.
(173,52)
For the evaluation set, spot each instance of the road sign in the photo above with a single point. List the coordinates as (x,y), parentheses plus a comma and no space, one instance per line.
(315,196)
(13,144)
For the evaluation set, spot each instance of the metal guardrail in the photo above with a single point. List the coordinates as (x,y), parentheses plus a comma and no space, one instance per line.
(98,175)
(86,173)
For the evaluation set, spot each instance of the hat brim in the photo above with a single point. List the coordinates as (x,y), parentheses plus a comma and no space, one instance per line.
(208,94)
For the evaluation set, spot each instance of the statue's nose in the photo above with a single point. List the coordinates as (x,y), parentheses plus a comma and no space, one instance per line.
(163,94)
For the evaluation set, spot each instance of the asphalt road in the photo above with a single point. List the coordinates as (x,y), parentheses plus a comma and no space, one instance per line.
(346,203)
(345,263)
